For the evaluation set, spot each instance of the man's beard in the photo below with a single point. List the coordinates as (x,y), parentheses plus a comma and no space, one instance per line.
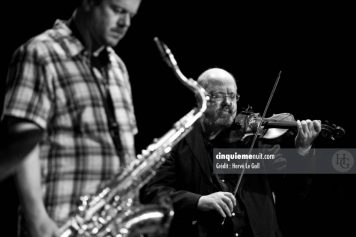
(221,119)
(224,121)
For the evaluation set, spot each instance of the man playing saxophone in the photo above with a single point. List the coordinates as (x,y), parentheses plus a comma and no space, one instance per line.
(70,86)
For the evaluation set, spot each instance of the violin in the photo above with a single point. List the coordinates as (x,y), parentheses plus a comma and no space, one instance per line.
(247,123)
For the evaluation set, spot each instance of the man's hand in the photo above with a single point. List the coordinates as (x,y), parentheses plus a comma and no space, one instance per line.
(43,226)
(307,131)
(222,202)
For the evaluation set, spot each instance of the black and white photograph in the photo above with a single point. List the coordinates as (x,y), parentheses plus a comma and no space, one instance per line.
(113,111)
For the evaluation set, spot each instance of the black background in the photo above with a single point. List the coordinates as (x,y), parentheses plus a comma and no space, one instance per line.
(311,43)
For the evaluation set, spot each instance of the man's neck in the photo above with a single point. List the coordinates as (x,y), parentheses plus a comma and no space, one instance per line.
(80,22)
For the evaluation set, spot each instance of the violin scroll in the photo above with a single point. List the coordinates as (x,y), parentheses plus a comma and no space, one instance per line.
(331,131)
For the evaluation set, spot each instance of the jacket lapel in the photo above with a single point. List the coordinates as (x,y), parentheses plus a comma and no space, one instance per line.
(200,153)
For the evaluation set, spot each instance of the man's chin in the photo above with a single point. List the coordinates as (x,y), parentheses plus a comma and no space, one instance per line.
(225,122)
(113,41)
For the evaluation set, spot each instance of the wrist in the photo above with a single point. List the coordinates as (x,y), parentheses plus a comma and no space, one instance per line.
(200,203)
(304,151)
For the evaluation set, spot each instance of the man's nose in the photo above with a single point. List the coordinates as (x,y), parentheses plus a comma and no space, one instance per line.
(124,19)
(227,100)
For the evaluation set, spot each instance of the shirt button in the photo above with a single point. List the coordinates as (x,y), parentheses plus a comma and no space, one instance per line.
(223,180)
(233,214)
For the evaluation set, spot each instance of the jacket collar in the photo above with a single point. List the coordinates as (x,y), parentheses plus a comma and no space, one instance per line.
(195,141)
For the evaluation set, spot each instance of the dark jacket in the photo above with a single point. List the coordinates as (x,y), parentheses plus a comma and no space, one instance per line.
(187,174)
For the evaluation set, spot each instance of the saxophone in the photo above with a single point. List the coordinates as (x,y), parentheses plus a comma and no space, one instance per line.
(112,210)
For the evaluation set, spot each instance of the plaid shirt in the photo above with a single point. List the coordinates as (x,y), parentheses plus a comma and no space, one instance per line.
(50,83)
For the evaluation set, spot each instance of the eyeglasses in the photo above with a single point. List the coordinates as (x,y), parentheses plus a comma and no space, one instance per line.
(219,97)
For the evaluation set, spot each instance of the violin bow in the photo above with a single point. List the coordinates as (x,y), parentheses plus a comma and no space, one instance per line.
(256,134)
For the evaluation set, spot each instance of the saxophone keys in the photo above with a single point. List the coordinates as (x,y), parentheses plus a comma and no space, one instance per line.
(129,202)
(167,149)
(102,220)
(145,153)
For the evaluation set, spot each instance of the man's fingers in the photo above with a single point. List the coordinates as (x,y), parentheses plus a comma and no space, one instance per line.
(304,127)
(222,202)
(310,125)
(225,208)
(219,209)
(317,125)
(231,197)
(228,202)
(300,128)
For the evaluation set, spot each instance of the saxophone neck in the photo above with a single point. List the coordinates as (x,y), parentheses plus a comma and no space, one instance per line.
(190,83)
(201,96)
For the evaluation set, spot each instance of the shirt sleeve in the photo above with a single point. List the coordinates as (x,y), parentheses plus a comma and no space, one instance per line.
(27,91)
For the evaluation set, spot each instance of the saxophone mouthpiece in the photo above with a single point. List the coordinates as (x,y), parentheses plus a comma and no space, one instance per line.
(165,53)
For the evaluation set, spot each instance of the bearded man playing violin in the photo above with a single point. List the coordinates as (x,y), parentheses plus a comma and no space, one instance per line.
(203,201)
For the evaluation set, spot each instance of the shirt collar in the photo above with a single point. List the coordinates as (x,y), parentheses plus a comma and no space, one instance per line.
(71,44)
(71,40)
